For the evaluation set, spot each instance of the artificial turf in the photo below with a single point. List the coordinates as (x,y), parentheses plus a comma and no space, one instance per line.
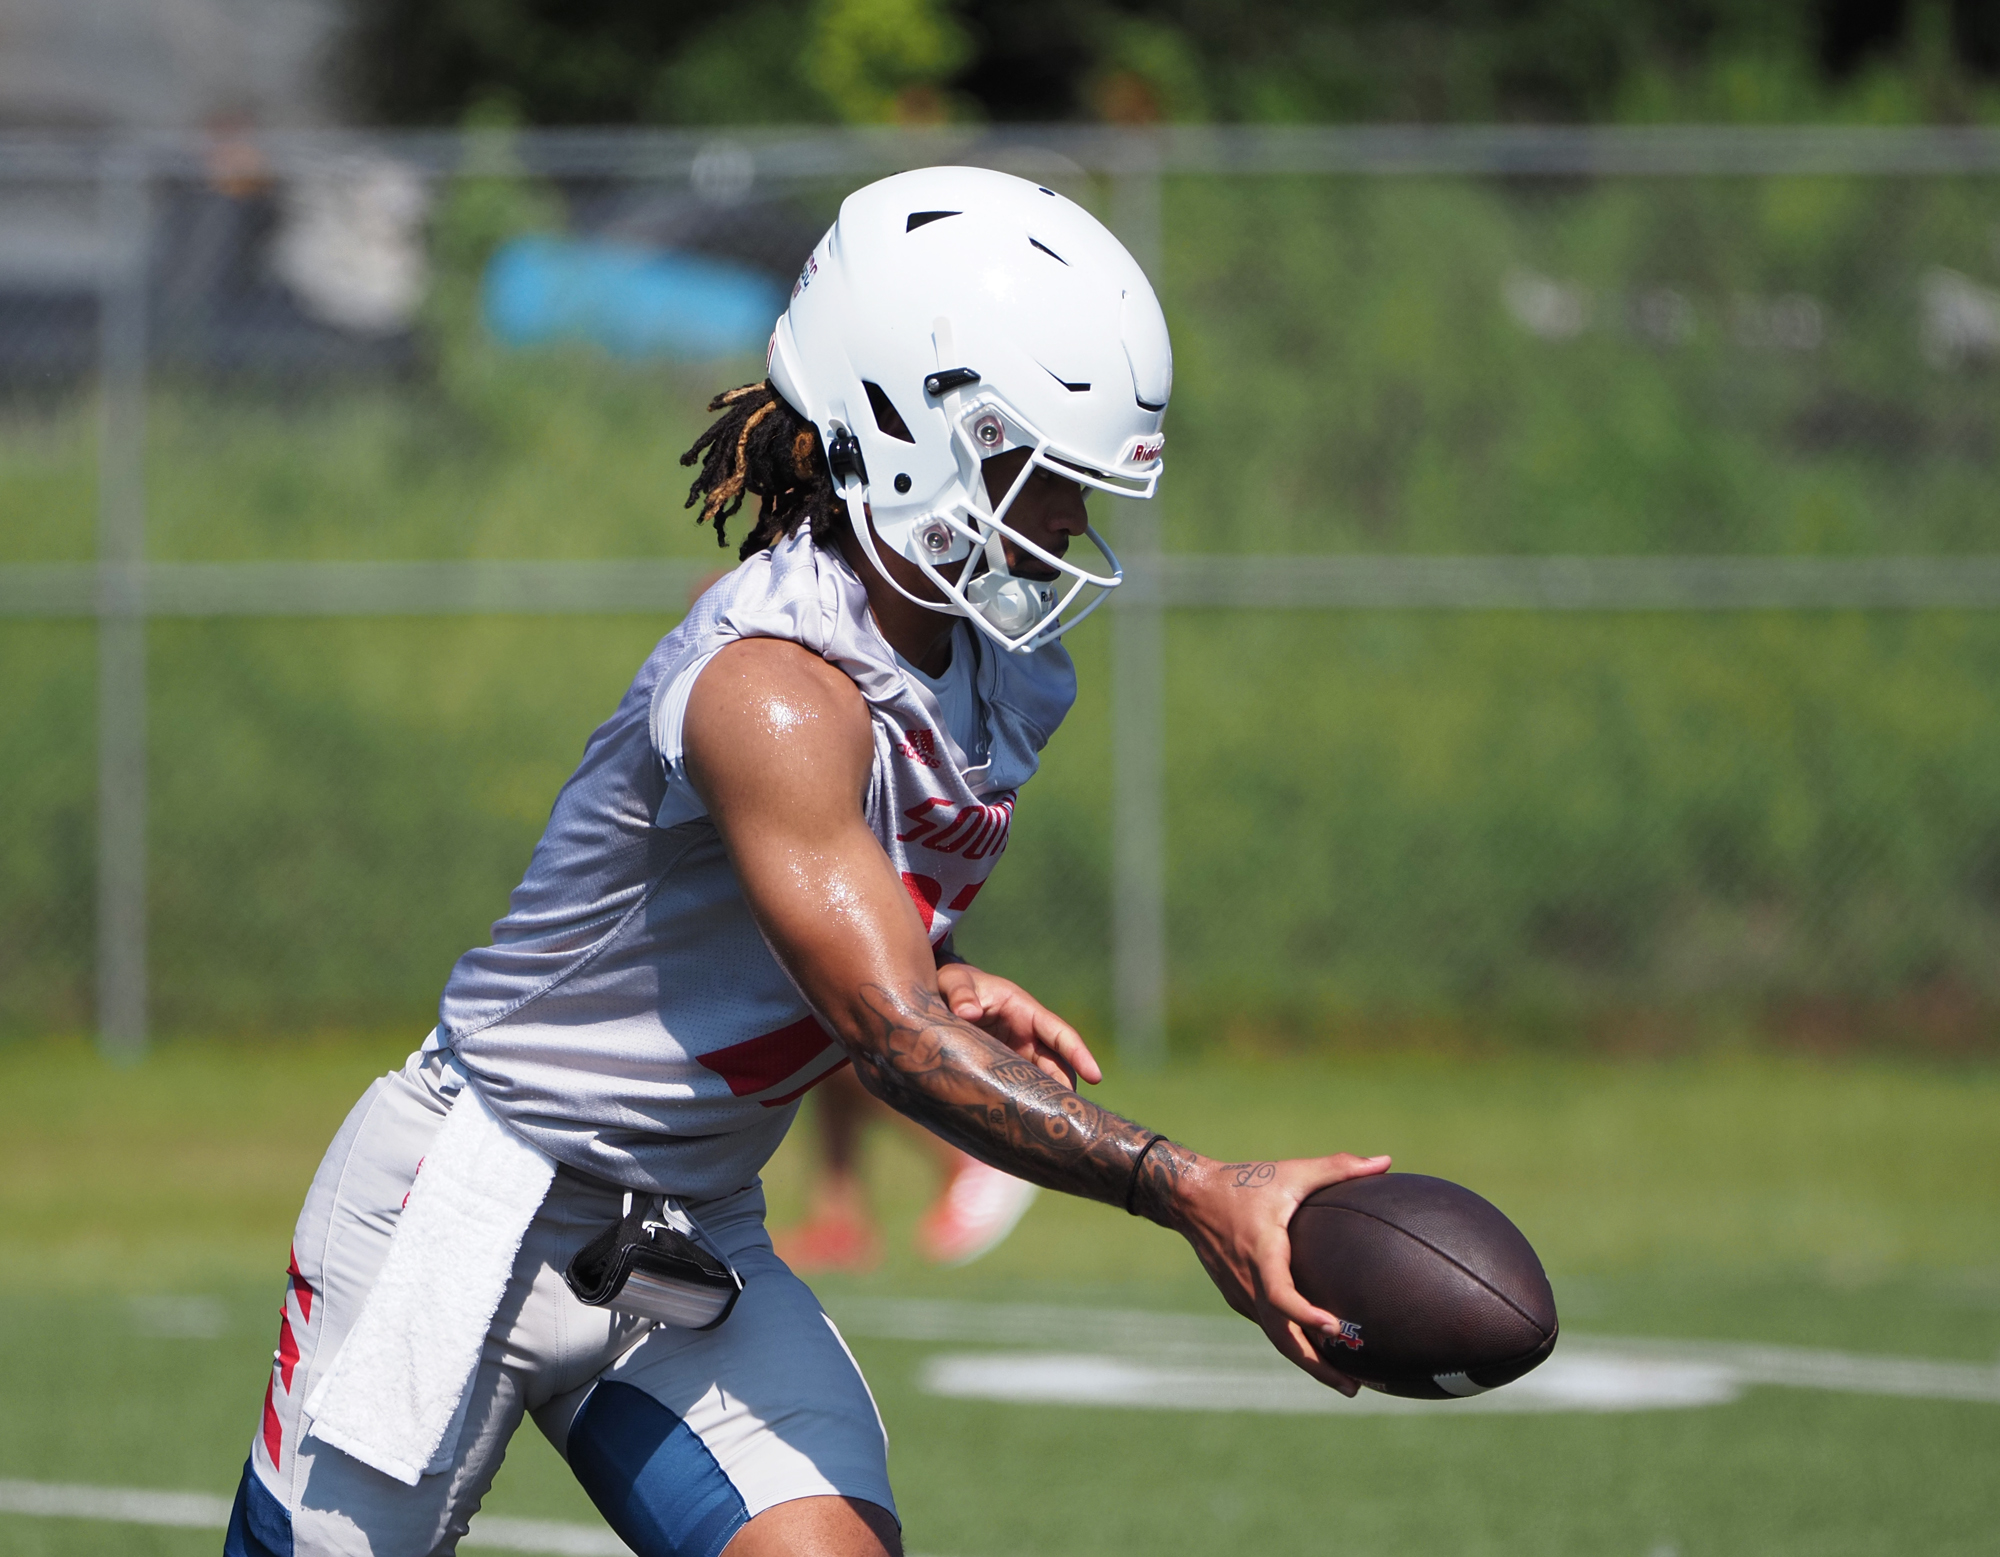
(1850,1205)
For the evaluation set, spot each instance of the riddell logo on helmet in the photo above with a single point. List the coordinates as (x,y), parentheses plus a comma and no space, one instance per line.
(1143,451)
(806,273)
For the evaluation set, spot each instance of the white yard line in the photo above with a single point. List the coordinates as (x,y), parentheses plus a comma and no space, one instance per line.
(1042,1324)
(1581,1383)
(117,1505)
(1193,1362)
(200,1511)
(1800,1367)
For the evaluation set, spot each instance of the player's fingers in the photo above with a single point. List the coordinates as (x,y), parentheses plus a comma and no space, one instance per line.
(1296,1347)
(1054,1031)
(1052,1066)
(1010,1015)
(1033,1031)
(1282,1296)
(1056,1034)
(1337,1169)
(960,989)
(1345,1383)
(989,998)
(1289,1340)
(1056,1065)
(952,976)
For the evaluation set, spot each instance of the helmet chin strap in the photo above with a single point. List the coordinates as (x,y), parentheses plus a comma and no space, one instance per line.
(854,495)
(1009,603)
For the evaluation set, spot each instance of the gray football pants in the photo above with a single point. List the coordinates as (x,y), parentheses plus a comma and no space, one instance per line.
(679,1436)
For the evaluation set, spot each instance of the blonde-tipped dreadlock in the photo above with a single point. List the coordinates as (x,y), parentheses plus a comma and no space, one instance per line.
(761,445)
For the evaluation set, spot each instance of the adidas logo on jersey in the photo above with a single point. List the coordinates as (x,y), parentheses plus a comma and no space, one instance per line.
(921,746)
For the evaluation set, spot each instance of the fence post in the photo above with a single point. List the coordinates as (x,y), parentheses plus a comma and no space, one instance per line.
(1138,704)
(124,219)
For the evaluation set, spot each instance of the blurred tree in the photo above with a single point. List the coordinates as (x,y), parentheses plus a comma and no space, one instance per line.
(618,61)
(661,61)
(1850,31)
(1551,59)
(580,61)
(740,67)
(884,60)
(1030,58)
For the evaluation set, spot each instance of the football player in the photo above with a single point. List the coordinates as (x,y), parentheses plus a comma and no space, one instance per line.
(750,882)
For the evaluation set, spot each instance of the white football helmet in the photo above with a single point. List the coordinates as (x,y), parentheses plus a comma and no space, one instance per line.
(951,314)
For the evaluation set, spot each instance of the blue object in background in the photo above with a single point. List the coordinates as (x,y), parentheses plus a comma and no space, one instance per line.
(631,300)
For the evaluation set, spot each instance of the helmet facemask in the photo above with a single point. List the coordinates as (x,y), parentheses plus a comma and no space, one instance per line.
(965,524)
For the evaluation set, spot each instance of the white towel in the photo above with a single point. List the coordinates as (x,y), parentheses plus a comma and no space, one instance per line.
(396,1394)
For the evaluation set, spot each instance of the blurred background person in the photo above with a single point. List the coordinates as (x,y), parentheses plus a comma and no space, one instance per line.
(976,1206)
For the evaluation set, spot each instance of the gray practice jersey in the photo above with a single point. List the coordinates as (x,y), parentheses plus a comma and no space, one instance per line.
(628,1017)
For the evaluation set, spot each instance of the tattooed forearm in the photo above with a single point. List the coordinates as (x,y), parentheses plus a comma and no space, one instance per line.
(982,1097)
(1155,1194)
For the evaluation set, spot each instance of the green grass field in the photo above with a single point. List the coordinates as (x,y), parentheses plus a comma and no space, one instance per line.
(1848,1205)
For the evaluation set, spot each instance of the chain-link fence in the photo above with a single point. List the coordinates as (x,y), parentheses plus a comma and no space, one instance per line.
(1571,608)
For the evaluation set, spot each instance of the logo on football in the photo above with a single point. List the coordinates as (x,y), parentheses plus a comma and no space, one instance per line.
(1350,1336)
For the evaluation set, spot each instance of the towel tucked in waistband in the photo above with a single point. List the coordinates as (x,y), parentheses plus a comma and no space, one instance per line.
(395,1396)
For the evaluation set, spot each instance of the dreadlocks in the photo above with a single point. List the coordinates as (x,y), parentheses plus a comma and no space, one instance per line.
(760,444)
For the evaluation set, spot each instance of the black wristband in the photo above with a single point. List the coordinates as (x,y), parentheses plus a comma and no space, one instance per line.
(1132,1184)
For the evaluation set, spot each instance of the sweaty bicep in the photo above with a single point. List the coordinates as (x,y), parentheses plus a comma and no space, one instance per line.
(775,738)
(779,746)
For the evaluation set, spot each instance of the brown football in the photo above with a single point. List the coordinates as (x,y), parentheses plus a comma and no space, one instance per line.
(1439,1294)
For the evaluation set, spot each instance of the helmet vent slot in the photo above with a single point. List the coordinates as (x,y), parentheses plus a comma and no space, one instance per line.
(886,415)
(1075,389)
(1147,405)
(925,218)
(1048,251)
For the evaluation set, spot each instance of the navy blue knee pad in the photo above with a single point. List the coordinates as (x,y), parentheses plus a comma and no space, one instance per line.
(653,1480)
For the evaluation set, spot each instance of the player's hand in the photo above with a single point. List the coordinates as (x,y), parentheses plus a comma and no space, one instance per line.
(1238,1217)
(1003,1010)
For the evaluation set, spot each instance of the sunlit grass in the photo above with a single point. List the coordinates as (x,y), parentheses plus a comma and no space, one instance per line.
(1845,1205)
